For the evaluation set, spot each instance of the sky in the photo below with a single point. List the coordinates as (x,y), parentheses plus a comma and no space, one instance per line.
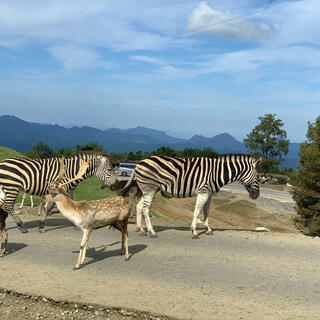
(183,66)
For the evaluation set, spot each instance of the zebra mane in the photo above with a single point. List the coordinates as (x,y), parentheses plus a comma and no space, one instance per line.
(220,156)
(93,153)
(225,155)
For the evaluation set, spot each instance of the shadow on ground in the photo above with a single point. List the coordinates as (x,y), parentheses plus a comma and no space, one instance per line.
(50,224)
(99,254)
(13,247)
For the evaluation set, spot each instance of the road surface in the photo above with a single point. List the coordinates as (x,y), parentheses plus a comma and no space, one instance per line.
(282,196)
(230,275)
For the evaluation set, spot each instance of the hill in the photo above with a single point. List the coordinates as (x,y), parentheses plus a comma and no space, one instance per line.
(8,153)
(22,135)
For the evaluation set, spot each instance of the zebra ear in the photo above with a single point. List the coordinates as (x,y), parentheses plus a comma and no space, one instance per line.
(257,162)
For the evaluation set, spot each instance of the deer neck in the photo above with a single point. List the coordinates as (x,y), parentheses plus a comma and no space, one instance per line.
(67,207)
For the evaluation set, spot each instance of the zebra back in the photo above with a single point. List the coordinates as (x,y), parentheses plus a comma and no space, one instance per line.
(185,177)
(35,175)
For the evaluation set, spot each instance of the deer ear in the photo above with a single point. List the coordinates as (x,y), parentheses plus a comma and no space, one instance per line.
(257,162)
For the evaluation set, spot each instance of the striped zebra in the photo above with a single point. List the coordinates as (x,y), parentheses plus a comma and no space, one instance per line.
(33,176)
(3,216)
(182,178)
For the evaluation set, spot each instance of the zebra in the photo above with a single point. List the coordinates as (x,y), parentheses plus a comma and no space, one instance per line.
(34,176)
(3,216)
(187,177)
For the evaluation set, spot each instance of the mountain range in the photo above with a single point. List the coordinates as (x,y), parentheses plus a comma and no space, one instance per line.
(22,136)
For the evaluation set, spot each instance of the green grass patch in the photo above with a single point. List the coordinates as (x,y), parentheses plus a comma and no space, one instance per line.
(238,207)
(8,153)
(90,189)
(158,198)
(220,202)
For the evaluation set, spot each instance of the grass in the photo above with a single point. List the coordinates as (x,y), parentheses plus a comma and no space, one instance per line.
(238,207)
(8,153)
(90,189)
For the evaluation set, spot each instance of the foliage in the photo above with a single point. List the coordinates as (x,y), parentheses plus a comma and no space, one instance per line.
(268,140)
(65,152)
(91,146)
(306,182)
(165,151)
(40,150)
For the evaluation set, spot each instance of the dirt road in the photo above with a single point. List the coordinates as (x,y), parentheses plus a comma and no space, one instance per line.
(230,275)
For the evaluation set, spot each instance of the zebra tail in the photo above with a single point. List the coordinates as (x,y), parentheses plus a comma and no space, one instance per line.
(126,188)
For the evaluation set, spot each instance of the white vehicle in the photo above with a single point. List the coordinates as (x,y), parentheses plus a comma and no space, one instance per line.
(125,169)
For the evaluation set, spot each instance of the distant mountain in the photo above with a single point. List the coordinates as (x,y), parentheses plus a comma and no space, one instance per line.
(22,136)
(222,143)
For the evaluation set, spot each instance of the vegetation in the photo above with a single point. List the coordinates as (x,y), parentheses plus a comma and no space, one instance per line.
(306,191)
(268,140)
(40,150)
(8,153)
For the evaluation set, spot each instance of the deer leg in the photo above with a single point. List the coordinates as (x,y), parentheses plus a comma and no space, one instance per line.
(82,253)
(206,209)
(44,208)
(202,198)
(125,239)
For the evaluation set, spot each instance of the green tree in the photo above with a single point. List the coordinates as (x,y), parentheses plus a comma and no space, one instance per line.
(269,141)
(165,151)
(91,146)
(64,152)
(306,190)
(40,150)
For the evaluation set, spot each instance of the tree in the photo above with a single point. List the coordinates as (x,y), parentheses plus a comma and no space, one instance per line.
(269,141)
(40,150)
(306,190)
(165,151)
(91,146)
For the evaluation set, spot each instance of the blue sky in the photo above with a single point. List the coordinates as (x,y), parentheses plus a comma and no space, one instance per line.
(183,66)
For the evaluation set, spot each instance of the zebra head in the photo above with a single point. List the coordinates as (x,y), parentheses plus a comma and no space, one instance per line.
(3,195)
(104,171)
(251,178)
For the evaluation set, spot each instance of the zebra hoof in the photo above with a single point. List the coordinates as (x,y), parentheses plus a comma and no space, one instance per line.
(23,229)
(153,235)
(41,230)
(209,233)
(195,236)
(74,268)
(143,234)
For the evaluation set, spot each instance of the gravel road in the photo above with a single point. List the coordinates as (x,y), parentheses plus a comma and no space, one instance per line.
(230,275)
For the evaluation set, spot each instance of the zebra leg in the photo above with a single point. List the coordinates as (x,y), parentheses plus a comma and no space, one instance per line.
(202,198)
(9,208)
(44,208)
(3,234)
(139,216)
(206,209)
(22,201)
(147,201)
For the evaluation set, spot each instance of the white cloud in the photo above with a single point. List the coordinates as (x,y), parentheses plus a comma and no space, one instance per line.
(73,58)
(119,26)
(223,24)
(148,59)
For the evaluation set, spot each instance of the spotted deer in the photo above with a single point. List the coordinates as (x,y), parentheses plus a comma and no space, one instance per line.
(90,215)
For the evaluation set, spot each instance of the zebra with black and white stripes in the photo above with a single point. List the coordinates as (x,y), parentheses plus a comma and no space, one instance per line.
(34,176)
(181,178)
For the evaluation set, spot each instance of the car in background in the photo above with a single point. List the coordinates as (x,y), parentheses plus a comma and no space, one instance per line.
(126,169)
